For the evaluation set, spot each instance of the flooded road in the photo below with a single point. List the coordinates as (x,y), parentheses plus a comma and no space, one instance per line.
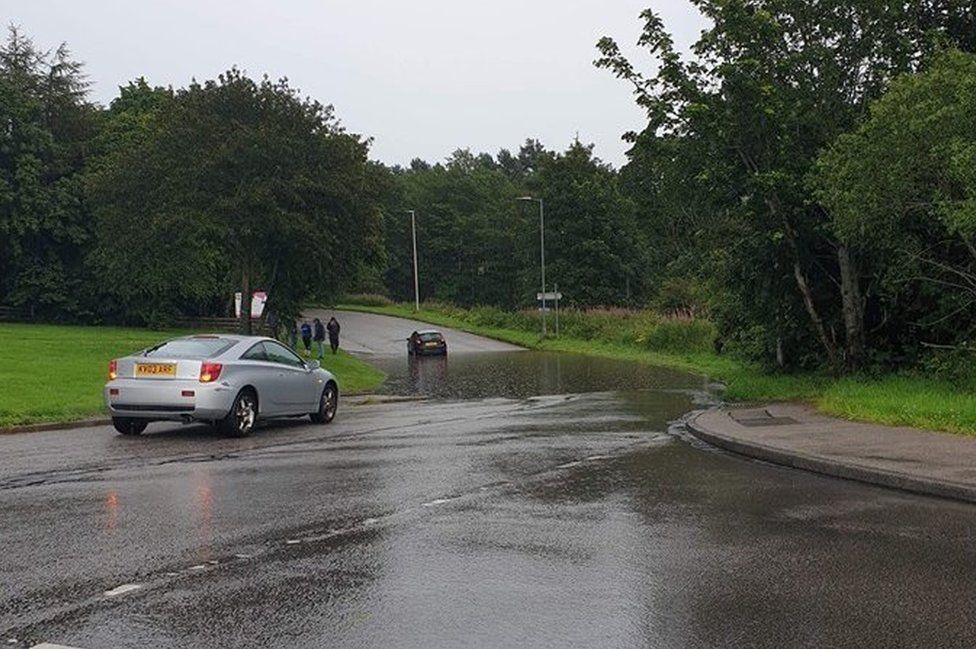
(531,500)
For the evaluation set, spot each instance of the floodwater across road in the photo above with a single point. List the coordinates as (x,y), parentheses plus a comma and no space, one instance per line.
(532,500)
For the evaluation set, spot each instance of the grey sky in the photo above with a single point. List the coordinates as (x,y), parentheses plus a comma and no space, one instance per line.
(422,77)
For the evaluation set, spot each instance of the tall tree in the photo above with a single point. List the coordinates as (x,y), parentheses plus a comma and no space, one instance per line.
(44,224)
(243,184)
(902,187)
(465,231)
(593,246)
(770,84)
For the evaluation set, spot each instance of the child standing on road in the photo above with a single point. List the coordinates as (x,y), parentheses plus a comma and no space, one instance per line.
(333,334)
(319,338)
(307,337)
(293,335)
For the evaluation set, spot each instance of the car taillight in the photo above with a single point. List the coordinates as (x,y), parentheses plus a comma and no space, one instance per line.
(210,372)
(113,370)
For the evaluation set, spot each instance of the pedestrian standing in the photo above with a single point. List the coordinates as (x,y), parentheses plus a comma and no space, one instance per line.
(333,328)
(307,337)
(319,337)
(293,335)
(272,322)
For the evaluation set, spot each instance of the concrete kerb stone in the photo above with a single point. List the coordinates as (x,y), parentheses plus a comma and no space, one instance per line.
(55,425)
(353,400)
(830,467)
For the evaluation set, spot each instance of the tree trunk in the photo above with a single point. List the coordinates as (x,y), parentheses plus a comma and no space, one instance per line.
(245,317)
(853,307)
(807,294)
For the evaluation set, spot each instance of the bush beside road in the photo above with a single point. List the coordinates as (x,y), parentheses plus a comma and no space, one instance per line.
(54,373)
(899,399)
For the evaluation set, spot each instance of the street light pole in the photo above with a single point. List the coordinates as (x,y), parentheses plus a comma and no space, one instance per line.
(416,281)
(542,253)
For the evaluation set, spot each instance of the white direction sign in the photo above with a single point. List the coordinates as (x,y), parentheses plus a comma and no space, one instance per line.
(548,297)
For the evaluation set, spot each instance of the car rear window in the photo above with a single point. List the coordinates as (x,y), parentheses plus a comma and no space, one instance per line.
(190,348)
(431,337)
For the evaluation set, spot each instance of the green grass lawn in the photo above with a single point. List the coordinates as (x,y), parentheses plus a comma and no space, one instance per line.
(56,373)
(899,400)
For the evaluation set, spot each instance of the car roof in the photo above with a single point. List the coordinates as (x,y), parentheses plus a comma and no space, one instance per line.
(221,336)
(429,331)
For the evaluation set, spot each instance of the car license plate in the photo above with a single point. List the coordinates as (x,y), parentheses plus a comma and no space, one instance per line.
(431,344)
(156,370)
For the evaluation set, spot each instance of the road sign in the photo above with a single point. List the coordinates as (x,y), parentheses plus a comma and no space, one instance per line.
(549,297)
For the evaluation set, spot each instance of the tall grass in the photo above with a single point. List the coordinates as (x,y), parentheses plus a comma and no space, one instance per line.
(687,343)
(642,329)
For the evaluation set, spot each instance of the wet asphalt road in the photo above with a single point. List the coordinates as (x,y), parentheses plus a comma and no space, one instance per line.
(535,500)
(368,334)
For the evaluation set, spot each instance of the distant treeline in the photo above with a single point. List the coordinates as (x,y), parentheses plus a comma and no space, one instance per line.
(806,180)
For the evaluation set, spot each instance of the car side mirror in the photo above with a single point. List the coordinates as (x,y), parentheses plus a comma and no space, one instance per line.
(311,366)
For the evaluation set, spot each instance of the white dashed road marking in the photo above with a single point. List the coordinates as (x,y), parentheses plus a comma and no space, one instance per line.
(48,645)
(122,590)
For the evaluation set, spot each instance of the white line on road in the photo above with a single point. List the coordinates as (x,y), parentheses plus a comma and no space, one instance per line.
(122,590)
(439,501)
(48,645)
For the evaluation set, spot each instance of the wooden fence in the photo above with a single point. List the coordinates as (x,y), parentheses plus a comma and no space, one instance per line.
(226,325)
(13,314)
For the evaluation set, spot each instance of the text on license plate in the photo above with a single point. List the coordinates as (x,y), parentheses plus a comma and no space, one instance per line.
(431,344)
(155,369)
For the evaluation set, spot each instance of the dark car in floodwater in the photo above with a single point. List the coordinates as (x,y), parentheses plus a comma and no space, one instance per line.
(427,343)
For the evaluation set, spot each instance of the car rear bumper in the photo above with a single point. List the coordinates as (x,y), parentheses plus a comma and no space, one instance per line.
(161,399)
(431,351)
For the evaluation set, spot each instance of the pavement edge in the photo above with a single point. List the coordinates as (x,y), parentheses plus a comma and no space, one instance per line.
(830,467)
(352,400)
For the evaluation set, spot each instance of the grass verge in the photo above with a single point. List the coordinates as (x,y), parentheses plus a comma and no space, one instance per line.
(56,373)
(897,400)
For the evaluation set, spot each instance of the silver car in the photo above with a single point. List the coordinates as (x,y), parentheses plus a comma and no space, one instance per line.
(226,380)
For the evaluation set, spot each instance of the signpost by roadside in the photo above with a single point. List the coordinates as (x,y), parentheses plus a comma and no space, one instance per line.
(258,300)
(550,296)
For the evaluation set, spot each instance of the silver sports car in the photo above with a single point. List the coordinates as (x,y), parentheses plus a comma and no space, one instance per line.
(228,381)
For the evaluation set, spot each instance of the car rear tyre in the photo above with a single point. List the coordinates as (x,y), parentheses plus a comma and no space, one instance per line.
(240,421)
(328,404)
(129,426)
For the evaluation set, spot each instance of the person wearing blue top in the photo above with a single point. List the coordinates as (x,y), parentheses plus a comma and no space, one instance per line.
(307,337)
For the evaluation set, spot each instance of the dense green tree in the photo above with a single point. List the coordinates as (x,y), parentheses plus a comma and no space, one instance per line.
(902,189)
(768,85)
(465,231)
(593,247)
(45,128)
(233,184)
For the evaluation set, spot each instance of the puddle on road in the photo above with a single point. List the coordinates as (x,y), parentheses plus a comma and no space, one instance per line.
(520,375)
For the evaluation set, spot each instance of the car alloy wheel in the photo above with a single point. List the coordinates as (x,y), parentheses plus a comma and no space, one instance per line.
(245,413)
(328,404)
(330,401)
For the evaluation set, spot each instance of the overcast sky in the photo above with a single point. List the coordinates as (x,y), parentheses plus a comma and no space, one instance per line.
(422,77)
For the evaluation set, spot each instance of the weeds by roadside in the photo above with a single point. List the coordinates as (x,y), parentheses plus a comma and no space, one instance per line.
(687,344)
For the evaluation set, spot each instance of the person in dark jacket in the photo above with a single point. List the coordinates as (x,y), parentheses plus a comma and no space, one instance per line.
(293,335)
(319,337)
(333,328)
(307,337)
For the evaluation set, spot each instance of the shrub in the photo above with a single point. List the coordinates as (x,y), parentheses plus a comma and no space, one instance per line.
(679,335)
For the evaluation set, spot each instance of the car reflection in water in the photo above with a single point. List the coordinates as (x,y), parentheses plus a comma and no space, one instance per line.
(426,373)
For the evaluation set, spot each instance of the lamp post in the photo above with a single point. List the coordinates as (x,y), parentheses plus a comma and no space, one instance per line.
(416,281)
(542,253)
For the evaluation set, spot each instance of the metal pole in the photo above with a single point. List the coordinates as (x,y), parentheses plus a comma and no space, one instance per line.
(416,280)
(542,254)
(555,289)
